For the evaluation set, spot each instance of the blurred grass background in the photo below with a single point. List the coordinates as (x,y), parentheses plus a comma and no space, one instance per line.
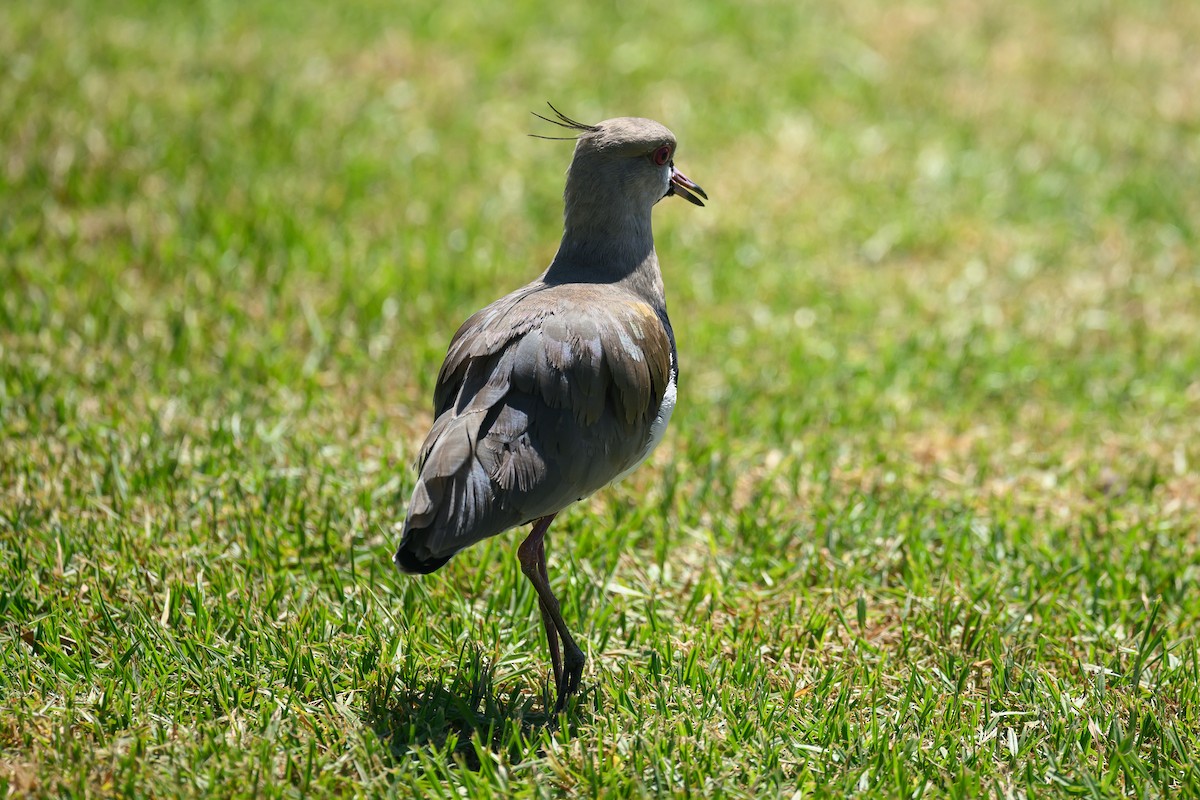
(926,521)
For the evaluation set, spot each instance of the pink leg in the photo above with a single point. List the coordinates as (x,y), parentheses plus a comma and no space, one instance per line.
(568,668)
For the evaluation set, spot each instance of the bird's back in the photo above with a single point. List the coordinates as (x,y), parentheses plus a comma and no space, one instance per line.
(546,396)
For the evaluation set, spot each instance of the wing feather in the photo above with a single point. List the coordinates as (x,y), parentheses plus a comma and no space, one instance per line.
(545,396)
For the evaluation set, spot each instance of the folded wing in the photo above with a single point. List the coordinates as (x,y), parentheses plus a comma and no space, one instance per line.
(545,396)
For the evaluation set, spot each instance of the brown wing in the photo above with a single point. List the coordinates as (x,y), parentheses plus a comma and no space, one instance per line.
(545,396)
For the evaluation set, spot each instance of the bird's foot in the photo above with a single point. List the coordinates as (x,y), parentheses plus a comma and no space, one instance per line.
(572,673)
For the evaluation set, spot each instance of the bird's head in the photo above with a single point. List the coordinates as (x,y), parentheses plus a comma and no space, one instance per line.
(629,156)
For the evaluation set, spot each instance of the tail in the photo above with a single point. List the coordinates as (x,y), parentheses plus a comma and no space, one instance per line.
(408,561)
(443,459)
(454,503)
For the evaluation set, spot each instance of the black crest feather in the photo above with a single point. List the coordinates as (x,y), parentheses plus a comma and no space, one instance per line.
(563,121)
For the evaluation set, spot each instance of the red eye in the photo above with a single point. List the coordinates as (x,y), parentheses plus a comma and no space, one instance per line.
(662,155)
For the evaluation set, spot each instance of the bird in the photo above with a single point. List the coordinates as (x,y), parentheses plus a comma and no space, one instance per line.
(564,386)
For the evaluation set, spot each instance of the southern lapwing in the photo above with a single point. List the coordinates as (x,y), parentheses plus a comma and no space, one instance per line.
(563,386)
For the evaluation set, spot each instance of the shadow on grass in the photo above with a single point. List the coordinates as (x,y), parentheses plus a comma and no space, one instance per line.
(430,714)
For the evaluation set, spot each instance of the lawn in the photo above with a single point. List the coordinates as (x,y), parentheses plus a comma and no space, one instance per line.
(927,520)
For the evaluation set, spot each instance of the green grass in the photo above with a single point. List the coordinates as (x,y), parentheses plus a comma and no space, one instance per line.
(927,522)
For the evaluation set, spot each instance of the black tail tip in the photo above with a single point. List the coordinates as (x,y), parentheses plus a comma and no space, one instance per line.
(407,562)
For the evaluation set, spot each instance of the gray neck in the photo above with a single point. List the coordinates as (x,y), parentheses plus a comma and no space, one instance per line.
(608,242)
